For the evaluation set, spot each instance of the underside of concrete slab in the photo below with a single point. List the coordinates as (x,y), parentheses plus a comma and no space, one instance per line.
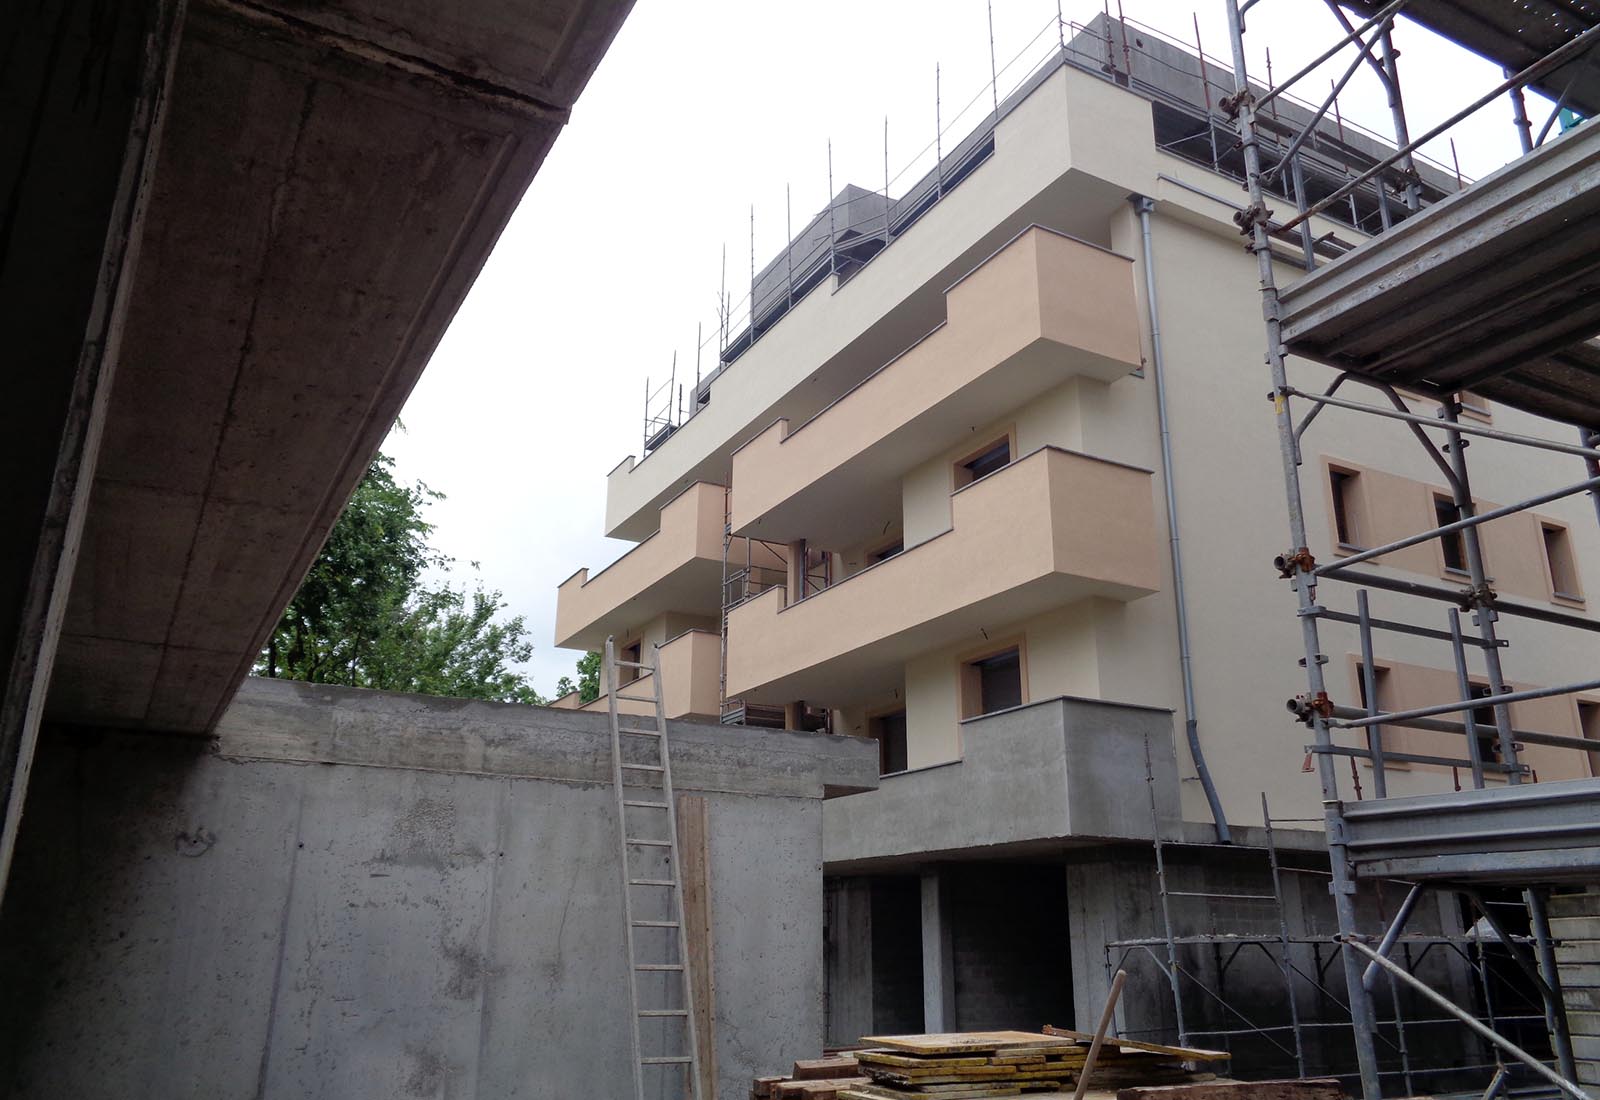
(328,184)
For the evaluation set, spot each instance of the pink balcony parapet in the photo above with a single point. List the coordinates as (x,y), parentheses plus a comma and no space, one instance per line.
(679,568)
(691,669)
(1049,529)
(1043,309)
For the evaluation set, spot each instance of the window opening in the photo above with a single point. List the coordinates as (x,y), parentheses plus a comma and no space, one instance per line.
(992,683)
(1343,483)
(1558,555)
(1488,733)
(889,730)
(1453,544)
(996,456)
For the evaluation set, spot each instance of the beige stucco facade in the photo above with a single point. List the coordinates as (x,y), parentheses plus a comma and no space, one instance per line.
(690,677)
(1052,528)
(1041,310)
(1014,312)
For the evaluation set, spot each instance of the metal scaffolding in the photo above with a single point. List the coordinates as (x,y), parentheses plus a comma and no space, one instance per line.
(1407,1041)
(764,565)
(1491,742)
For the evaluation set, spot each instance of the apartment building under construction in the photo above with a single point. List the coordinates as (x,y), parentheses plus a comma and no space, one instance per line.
(991,475)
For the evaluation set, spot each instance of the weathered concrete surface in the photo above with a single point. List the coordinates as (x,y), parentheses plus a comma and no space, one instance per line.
(353,894)
(80,96)
(329,179)
(231,235)
(1056,771)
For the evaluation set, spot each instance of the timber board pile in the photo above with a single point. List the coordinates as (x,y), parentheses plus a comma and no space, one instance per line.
(812,1079)
(979,1065)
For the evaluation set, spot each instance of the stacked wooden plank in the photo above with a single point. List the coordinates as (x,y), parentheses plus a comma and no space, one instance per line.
(812,1079)
(974,1065)
(1127,1063)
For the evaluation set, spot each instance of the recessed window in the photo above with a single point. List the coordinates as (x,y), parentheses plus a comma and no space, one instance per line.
(630,653)
(995,456)
(1380,681)
(1384,699)
(1485,727)
(1558,556)
(1345,526)
(884,553)
(991,683)
(1453,544)
(889,730)
(1589,725)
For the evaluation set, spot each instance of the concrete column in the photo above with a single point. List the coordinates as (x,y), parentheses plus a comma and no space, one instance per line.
(938,960)
(1112,896)
(847,960)
(797,570)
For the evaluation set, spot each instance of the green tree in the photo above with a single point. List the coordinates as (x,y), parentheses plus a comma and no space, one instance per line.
(365,618)
(588,685)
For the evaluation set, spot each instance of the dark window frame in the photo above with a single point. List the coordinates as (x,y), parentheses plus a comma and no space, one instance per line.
(892,740)
(985,460)
(1453,544)
(1343,484)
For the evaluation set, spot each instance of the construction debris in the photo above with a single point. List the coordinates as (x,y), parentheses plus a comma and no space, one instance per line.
(972,1065)
(1303,1088)
(811,1079)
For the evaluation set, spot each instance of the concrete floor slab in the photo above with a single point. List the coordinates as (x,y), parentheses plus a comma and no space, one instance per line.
(327,184)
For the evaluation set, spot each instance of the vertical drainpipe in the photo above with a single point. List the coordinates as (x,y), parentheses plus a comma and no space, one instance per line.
(1157,369)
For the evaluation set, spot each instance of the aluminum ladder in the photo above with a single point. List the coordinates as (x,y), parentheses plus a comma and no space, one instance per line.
(660,993)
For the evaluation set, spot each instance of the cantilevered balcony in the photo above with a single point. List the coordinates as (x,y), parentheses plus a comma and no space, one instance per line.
(691,669)
(1049,529)
(1062,767)
(679,569)
(1043,309)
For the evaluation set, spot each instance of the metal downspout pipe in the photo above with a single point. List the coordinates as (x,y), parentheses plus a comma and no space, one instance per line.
(1157,370)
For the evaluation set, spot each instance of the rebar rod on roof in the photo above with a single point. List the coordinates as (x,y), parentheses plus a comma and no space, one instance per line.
(994,75)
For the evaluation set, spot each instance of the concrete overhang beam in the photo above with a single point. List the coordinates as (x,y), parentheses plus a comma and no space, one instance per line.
(329,182)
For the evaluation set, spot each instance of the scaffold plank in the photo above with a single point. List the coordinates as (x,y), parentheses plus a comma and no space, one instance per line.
(1496,289)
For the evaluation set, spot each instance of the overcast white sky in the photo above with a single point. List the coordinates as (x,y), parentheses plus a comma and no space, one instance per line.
(699,110)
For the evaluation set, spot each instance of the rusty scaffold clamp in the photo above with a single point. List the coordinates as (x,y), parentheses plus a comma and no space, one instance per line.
(1308,708)
(1291,561)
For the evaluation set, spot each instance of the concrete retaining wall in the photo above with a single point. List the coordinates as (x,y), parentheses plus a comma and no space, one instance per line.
(354,894)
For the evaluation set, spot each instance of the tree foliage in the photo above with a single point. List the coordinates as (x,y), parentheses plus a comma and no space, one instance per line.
(588,685)
(366,618)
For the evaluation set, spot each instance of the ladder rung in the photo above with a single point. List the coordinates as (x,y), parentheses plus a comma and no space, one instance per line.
(645,767)
(663,1012)
(655,924)
(658,966)
(650,843)
(652,882)
(637,698)
(671,1060)
(640,803)
(630,664)
(1220,897)
(641,733)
